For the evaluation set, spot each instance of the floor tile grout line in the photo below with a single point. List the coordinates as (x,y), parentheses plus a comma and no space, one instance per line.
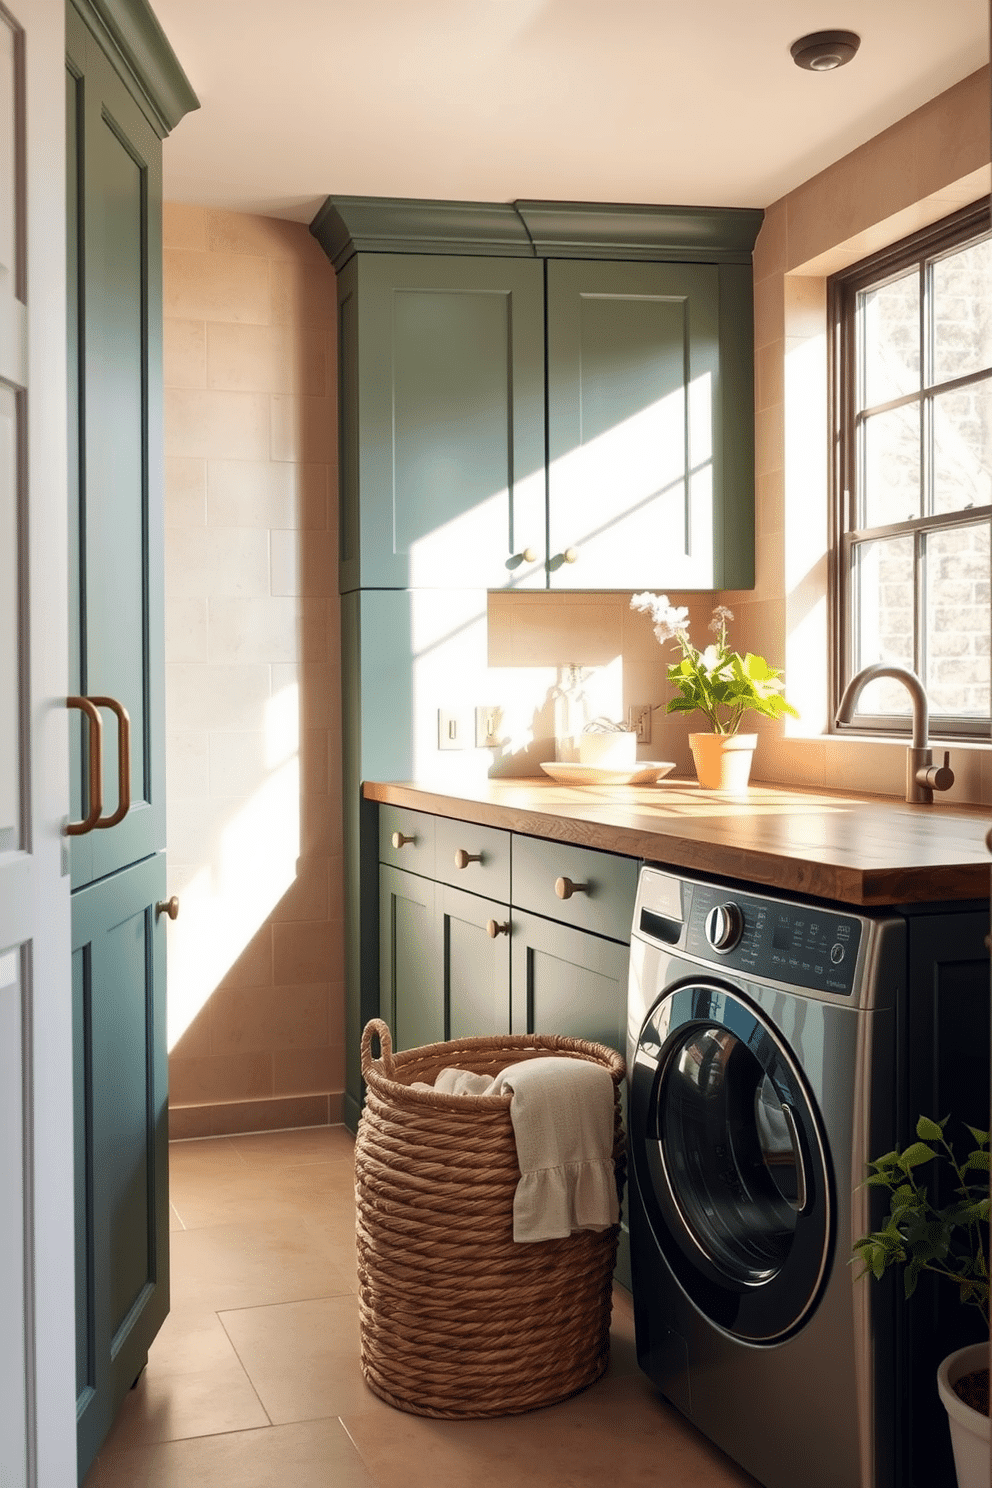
(244,1366)
(290,1302)
(375,1479)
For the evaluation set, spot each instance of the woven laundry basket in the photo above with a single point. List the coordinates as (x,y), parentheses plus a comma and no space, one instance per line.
(456,1318)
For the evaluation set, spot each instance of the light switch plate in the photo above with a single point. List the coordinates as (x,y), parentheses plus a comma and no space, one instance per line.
(454,728)
(639,718)
(488,727)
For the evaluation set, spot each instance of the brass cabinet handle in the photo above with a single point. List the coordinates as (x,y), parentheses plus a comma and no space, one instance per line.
(169,907)
(565,888)
(571,555)
(92,817)
(494,928)
(463,858)
(123,760)
(398,839)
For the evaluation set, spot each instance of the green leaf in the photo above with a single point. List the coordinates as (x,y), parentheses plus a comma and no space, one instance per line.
(918,1153)
(981,1137)
(978,1160)
(928,1130)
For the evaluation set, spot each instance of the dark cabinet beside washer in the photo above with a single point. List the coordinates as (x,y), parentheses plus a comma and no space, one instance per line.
(475,938)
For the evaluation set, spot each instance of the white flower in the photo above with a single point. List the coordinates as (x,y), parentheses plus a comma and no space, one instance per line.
(669,620)
(720,617)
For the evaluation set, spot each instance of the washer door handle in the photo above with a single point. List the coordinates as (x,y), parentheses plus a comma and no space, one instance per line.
(801,1194)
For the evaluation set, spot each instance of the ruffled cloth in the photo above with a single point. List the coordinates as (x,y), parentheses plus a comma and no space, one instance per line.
(562,1114)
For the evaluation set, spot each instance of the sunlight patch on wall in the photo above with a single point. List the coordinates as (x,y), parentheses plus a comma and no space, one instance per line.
(472,548)
(807,458)
(252,865)
(655,476)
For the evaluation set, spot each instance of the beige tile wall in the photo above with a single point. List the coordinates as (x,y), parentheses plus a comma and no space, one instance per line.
(253,685)
(921,169)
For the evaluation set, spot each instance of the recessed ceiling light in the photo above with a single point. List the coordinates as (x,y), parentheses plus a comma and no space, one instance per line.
(822,51)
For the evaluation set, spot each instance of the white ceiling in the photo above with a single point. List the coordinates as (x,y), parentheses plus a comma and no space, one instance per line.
(583,100)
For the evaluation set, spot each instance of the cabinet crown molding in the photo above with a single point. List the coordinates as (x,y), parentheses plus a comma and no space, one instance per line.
(346,225)
(635,231)
(140,52)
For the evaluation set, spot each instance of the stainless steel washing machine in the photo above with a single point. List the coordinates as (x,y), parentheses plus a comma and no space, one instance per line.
(761,1057)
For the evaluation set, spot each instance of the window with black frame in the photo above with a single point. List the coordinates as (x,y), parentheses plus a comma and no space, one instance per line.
(912,476)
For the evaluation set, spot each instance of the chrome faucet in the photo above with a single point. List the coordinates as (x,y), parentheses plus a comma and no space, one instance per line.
(923,777)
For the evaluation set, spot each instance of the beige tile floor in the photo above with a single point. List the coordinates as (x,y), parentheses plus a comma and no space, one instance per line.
(254,1379)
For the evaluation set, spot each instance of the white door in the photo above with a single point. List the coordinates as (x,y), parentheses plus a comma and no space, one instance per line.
(37,1404)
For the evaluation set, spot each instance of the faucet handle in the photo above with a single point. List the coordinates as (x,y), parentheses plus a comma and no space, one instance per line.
(938,777)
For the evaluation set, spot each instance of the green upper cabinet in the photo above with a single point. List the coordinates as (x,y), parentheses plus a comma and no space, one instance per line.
(635,486)
(443,427)
(544,395)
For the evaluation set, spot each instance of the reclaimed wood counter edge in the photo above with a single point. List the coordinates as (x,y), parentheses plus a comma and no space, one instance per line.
(883,853)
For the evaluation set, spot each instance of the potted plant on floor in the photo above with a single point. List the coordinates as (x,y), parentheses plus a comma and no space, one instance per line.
(723,686)
(951,1242)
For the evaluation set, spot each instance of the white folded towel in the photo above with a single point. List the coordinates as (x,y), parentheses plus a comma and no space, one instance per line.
(562,1114)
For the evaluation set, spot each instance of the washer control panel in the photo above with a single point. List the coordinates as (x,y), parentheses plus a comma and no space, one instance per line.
(805,945)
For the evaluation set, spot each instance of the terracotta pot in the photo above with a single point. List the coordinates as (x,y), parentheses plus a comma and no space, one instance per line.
(723,761)
(969,1428)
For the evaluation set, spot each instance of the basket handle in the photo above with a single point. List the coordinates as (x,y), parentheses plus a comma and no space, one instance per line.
(376,1028)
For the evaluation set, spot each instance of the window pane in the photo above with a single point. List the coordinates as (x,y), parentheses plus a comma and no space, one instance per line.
(883,587)
(962,312)
(891,484)
(957,620)
(890,330)
(962,448)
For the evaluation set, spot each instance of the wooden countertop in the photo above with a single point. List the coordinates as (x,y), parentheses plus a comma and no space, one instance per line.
(864,850)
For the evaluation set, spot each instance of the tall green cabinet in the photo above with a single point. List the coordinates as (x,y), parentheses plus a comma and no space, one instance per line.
(536,396)
(124,92)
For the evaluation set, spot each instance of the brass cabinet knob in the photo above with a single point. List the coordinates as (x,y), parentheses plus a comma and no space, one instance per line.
(463,858)
(571,555)
(398,839)
(565,888)
(169,907)
(529,555)
(494,928)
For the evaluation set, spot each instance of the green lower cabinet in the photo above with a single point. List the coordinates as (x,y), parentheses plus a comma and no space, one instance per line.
(443,976)
(568,981)
(475,951)
(409,970)
(121,1139)
(457,965)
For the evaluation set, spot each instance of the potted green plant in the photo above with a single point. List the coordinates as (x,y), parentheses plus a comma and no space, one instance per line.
(722,685)
(951,1242)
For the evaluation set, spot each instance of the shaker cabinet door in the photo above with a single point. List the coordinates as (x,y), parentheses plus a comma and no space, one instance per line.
(409,963)
(567,981)
(442,427)
(120,1133)
(114,279)
(634,418)
(475,944)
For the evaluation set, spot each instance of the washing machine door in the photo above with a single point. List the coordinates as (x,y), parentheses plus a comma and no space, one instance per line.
(730,1162)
